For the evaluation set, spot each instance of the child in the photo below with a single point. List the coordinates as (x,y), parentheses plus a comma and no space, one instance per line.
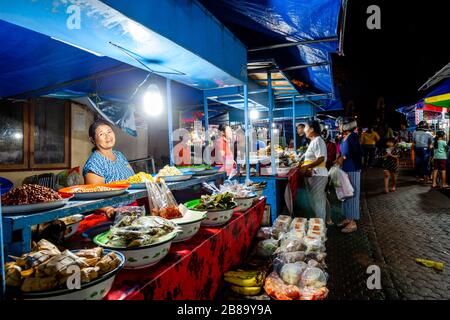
(391,158)
(440,158)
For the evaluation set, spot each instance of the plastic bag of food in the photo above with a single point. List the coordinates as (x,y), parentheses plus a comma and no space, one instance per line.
(298,223)
(313,244)
(309,293)
(278,264)
(129,212)
(291,257)
(279,290)
(316,221)
(266,248)
(291,245)
(291,273)
(317,256)
(264,233)
(316,234)
(314,278)
(282,223)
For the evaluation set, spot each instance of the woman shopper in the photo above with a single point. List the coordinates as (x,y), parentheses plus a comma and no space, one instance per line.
(315,171)
(391,157)
(350,160)
(440,159)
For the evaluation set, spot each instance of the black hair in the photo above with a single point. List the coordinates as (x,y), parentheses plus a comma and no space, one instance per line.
(439,134)
(315,125)
(94,127)
(390,140)
(222,127)
(301,125)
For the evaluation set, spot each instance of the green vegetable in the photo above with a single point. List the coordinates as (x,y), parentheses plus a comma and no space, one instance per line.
(223,201)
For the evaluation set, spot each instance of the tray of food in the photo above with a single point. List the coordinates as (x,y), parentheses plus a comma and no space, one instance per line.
(207,171)
(137,181)
(219,208)
(95,191)
(32,198)
(43,273)
(143,240)
(172,174)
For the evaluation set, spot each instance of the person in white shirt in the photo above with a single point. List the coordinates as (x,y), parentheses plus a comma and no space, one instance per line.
(314,169)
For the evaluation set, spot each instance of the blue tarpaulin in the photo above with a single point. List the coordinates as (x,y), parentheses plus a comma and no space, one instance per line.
(443,88)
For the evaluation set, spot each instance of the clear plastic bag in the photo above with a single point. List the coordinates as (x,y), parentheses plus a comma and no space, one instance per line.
(313,244)
(282,223)
(291,245)
(266,248)
(128,212)
(291,273)
(291,257)
(317,256)
(313,278)
(264,233)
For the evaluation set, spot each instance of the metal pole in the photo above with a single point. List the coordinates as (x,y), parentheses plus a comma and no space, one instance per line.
(272,144)
(2,258)
(247,134)
(169,118)
(294,128)
(205,111)
(293,44)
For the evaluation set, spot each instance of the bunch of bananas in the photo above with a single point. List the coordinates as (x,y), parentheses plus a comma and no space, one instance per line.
(245,282)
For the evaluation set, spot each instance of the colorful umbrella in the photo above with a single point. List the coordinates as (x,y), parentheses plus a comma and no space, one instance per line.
(442,100)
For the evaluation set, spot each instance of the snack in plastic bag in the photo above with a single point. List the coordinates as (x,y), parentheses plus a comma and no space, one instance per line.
(316,234)
(282,223)
(309,293)
(278,264)
(313,264)
(316,221)
(318,256)
(313,244)
(277,289)
(129,212)
(314,278)
(264,233)
(291,245)
(291,273)
(266,248)
(291,257)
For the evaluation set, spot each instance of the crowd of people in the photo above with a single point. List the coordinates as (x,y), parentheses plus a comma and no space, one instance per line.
(354,150)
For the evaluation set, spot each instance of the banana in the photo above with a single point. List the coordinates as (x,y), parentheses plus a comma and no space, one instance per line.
(242,274)
(246,291)
(254,281)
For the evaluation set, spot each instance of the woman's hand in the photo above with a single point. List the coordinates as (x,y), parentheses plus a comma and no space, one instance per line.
(109,211)
(339,161)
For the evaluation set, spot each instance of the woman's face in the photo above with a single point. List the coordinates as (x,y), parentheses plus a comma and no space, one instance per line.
(105,137)
(228,132)
(309,132)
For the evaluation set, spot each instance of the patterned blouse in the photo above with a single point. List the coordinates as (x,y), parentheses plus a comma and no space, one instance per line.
(110,170)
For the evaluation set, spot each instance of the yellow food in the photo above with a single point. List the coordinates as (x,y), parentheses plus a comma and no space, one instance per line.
(27,273)
(140,177)
(246,291)
(38,284)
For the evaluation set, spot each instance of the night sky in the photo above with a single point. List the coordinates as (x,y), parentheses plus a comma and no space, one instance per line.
(412,45)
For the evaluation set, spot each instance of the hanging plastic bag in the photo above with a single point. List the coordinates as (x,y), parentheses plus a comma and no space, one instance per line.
(344,190)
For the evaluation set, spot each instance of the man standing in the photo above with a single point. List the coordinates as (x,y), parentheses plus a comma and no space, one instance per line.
(422,140)
(302,140)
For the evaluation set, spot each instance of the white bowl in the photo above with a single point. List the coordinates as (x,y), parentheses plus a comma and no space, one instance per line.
(142,257)
(245,203)
(218,218)
(94,290)
(189,224)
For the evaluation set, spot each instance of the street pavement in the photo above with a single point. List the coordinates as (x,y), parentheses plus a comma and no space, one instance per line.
(395,228)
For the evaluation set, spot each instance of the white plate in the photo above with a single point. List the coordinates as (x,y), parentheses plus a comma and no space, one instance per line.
(176,178)
(189,224)
(27,208)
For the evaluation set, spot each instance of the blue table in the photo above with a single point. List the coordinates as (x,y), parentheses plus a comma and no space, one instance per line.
(17,228)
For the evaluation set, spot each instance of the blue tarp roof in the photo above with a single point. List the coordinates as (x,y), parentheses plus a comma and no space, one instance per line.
(443,88)
(281,21)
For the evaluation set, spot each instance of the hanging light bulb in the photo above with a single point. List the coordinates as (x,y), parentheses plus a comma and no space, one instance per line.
(254,114)
(153,103)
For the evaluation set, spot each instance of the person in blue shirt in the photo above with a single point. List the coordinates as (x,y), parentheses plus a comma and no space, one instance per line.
(105,164)
(350,160)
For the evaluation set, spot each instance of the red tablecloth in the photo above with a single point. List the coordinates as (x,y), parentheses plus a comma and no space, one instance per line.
(193,269)
(293,177)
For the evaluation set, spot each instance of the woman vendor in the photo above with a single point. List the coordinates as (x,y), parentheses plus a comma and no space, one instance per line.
(222,146)
(105,164)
